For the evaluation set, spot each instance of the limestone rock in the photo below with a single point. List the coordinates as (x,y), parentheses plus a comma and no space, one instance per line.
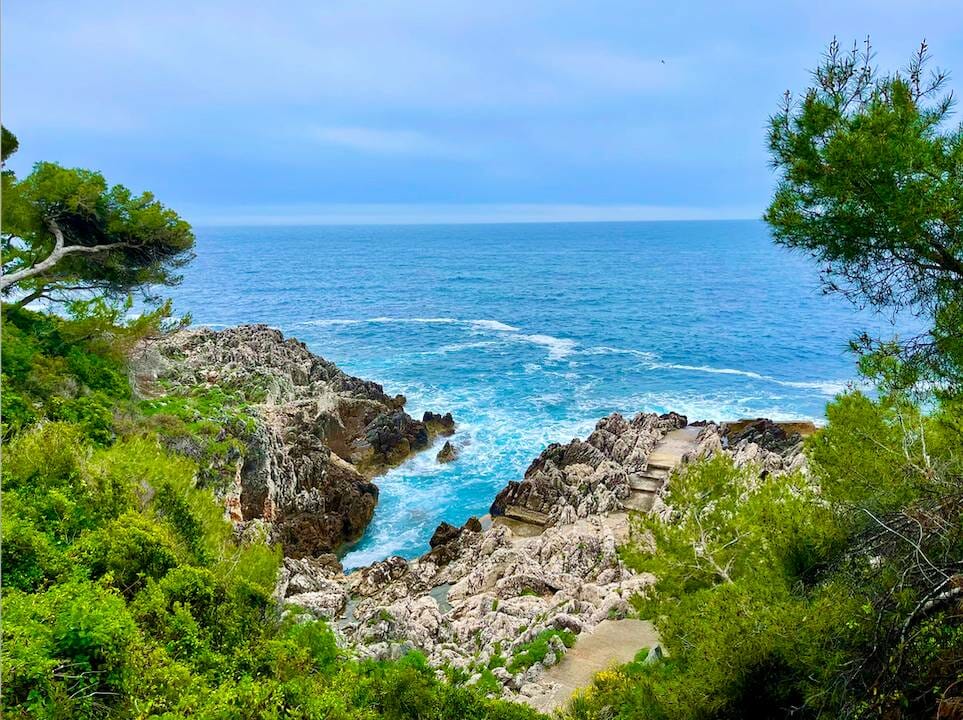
(319,435)
(326,603)
(587,477)
(307,574)
(482,592)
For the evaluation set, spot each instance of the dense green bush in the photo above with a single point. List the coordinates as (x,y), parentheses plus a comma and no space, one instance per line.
(793,596)
(68,368)
(125,593)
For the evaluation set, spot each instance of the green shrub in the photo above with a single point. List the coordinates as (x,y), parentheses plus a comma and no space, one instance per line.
(30,558)
(535,650)
(768,601)
(61,369)
(861,457)
(65,648)
(128,550)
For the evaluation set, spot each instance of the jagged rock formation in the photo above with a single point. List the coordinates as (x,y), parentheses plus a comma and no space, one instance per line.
(585,477)
(447,454)
(320,434)
(761,443)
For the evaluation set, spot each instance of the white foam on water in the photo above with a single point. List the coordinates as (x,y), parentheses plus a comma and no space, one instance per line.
(718,407)
(330,322)
(607,350)
(457,347)
(492,325)
(418,320)
(558,348)
(830,388)
(547,399)
(388,543)
(827,387)
(382,320)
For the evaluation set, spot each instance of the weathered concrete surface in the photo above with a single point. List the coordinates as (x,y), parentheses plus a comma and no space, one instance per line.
(612,642)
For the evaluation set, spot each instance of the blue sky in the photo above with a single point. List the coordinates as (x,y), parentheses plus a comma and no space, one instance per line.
(433,111)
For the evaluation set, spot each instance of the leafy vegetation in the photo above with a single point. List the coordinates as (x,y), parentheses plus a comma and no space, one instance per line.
(871,175)
(208,424)
(58,370)
(535,650)
(827,594)
(125,593)
(796,596)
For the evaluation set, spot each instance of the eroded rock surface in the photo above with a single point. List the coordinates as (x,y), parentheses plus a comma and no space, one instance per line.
(587,477)
(762,443)
(320,434)
(447,454)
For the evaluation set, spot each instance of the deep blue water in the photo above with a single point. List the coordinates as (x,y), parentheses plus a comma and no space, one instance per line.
(529,333)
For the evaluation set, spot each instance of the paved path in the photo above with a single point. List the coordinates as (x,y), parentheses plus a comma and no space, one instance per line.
(612,642)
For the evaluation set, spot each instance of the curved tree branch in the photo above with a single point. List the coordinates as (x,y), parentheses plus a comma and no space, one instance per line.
(59,252)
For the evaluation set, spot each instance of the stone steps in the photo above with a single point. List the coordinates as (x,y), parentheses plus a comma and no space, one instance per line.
(639,500)
(646,483)
(660,463)
(523,514)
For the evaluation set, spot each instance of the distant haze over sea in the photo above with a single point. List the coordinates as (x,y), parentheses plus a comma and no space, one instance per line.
(529,333)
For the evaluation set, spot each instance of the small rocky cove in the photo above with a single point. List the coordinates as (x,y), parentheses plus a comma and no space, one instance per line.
(543,564)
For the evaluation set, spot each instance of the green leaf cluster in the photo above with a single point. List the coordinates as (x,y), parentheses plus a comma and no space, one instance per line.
(871,187)
(127,241)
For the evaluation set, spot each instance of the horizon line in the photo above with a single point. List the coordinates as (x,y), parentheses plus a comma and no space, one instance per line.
(469,214)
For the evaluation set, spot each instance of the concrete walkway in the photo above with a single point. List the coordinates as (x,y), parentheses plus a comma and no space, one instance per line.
(612,642)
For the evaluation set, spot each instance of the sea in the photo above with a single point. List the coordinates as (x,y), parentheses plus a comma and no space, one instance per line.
(530,333)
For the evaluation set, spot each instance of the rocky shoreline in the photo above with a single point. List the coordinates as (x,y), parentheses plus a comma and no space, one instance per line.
(319,435)
(543,567)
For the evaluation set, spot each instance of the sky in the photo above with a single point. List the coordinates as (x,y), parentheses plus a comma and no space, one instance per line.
(433,110)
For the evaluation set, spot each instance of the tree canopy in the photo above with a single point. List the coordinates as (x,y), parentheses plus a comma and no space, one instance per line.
(871,187)
(67,230)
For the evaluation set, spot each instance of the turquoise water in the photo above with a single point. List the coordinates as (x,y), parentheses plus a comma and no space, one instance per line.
(530,333)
